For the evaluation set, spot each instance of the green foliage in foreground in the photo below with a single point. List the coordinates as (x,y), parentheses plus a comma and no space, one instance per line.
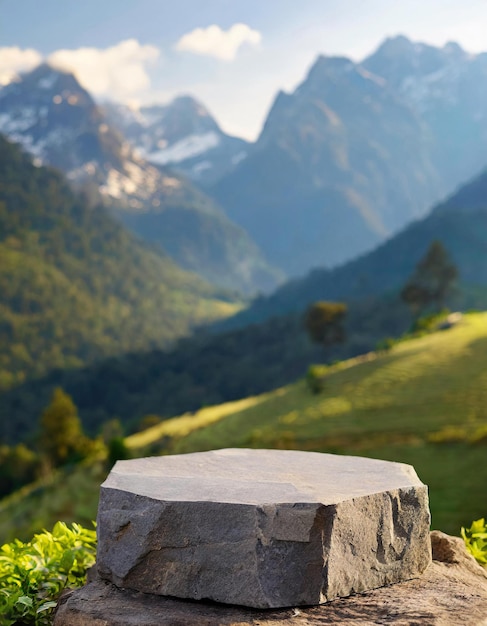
(475,539)
(33,574)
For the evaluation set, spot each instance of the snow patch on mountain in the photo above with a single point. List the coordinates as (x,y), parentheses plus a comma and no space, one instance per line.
(201,167)
(187,148)
(22,120)
(48,82)
(422,91)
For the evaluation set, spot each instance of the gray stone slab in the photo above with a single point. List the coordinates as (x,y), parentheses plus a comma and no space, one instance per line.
(261,528)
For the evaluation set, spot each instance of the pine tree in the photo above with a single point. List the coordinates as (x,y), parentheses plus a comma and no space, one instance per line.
(431,282)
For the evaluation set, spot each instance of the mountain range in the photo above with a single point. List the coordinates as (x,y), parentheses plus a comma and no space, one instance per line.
(345,134)
(358,150)
(56,120)
(350,157)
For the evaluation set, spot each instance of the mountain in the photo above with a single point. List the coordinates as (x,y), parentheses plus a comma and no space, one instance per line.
(182,134)
(57,121)
(460,223)
(75,285)
(448,88)
(358,150)
(265,346)
(341,163)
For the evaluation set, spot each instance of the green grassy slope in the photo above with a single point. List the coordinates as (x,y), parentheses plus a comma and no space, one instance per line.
(424,403)
(418,387)
(421,403)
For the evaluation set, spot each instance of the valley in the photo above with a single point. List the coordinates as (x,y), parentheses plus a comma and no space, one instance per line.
(422,402)
(156,271)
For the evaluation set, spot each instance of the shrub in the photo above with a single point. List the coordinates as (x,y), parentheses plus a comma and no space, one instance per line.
(315,378)
(117,451)
(33,574)
(475,539)
(428,323)
(384,345)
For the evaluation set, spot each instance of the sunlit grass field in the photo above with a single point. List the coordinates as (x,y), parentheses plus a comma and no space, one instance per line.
(424,402)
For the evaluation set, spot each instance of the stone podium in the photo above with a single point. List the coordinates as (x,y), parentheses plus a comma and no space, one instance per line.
(261,528)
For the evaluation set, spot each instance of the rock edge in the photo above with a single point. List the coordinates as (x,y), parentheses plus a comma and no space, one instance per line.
(262,528)
(452,591)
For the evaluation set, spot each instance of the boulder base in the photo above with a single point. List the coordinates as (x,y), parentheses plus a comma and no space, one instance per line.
(452,591)
(261,528)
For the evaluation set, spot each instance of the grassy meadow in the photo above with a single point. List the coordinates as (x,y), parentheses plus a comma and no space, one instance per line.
(423,402)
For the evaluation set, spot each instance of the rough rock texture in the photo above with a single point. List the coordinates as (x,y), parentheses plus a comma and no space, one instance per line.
(452,591)
(261,528)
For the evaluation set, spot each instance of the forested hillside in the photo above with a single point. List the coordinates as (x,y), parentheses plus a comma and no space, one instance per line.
(75,285)
(201,370)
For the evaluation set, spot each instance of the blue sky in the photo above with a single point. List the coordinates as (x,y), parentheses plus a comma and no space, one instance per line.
(234,55)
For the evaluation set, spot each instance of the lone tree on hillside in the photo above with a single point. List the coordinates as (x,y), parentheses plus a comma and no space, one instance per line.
(324,322)
(431,281)
(61,438)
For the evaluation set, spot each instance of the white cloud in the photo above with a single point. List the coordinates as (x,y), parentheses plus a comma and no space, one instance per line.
(119,72)
(215,42)
(14,60)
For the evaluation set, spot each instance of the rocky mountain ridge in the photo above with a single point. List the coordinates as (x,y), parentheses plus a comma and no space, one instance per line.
(358,150)
(447,87)
(354,154)
(182,134)
(55,119)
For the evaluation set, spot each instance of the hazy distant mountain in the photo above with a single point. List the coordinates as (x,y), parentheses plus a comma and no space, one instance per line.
(182,134)
(57,121)
(460,223)
(447,87)
(341,164)
(359,150)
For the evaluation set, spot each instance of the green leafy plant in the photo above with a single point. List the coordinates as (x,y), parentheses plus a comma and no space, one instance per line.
(475,539)
(33,574)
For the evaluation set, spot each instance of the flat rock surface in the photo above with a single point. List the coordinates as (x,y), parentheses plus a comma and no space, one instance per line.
(261,528)
(259,477)
(451,592)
